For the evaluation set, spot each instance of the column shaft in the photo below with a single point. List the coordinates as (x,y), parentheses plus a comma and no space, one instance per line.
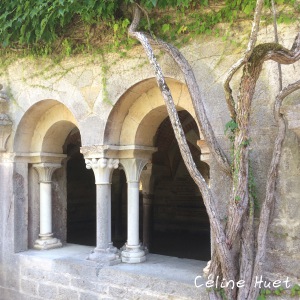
(102,168)
(45,208)
(133,214)
(46,239)
(133,252)
(109,218)
(103,198)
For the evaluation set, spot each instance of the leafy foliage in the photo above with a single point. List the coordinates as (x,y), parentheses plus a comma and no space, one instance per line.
(31,21)
(42,23)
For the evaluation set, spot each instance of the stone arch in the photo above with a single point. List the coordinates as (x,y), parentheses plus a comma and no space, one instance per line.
(39,140)
(131,130)
(44,122)
(141,107)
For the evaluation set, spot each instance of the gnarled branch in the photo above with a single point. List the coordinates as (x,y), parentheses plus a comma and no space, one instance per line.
(209,201)
(194,90)
(251,44)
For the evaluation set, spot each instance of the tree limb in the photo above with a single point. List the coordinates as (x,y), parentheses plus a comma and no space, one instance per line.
(276,41)
(270,188)
(251,44)
(209,201)
(261,53)
(194,90)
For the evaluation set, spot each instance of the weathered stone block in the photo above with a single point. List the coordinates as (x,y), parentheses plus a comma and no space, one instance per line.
(67,294)
(29,287)
(88,296)
(117,292)
(86,284)
(42,275)
(47,291)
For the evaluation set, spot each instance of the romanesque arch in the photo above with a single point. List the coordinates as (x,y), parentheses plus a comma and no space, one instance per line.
(138,113)
(40,170)
(131,133)
(43,128)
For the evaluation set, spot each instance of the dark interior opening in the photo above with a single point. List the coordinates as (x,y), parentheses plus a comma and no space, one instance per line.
(180,225)
(119,208)
(81,195)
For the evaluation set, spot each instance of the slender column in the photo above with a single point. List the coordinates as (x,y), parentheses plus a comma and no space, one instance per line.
(133,252)
(104,251)
(46,239)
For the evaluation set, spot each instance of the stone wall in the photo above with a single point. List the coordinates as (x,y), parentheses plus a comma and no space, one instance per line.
(44,95)
(73,278)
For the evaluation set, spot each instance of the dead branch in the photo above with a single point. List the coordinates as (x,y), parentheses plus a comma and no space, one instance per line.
(209,201)
(276,41)
(251,44)
(270,188)
(194,90)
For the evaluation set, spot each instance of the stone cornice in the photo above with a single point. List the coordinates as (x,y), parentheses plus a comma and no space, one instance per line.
(39,157)
(113,151)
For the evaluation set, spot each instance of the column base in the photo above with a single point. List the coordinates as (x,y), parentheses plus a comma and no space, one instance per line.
(145,248)
(112,248)
(133,254)
(106,257)
(46,242)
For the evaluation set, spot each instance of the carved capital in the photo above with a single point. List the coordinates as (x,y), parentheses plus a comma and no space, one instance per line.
(45,171)
(102,168)
(133,168)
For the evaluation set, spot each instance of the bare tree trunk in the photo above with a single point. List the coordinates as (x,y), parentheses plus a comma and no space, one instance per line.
(226,262)
(270,189)
(209,200)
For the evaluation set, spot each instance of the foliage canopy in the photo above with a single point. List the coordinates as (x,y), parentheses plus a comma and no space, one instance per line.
(53,24)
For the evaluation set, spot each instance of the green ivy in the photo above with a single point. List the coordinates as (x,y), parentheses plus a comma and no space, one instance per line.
(44,27)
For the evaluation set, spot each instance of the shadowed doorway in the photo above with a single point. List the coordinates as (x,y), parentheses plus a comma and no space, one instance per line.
(81,195)
(180,225)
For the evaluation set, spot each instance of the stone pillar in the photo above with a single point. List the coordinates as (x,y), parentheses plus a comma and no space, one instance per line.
(104,251)
(46,239)
(147,206)
(133,252)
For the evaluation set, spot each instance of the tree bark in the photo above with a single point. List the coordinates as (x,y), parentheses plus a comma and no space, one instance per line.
(209,200)
(227,262)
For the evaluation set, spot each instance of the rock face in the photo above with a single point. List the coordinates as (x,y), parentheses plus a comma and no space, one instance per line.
(54,111)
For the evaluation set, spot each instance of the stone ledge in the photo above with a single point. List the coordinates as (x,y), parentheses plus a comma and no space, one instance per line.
(160,277)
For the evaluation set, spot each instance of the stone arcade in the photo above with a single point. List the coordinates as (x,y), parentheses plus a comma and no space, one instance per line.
(95,201)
